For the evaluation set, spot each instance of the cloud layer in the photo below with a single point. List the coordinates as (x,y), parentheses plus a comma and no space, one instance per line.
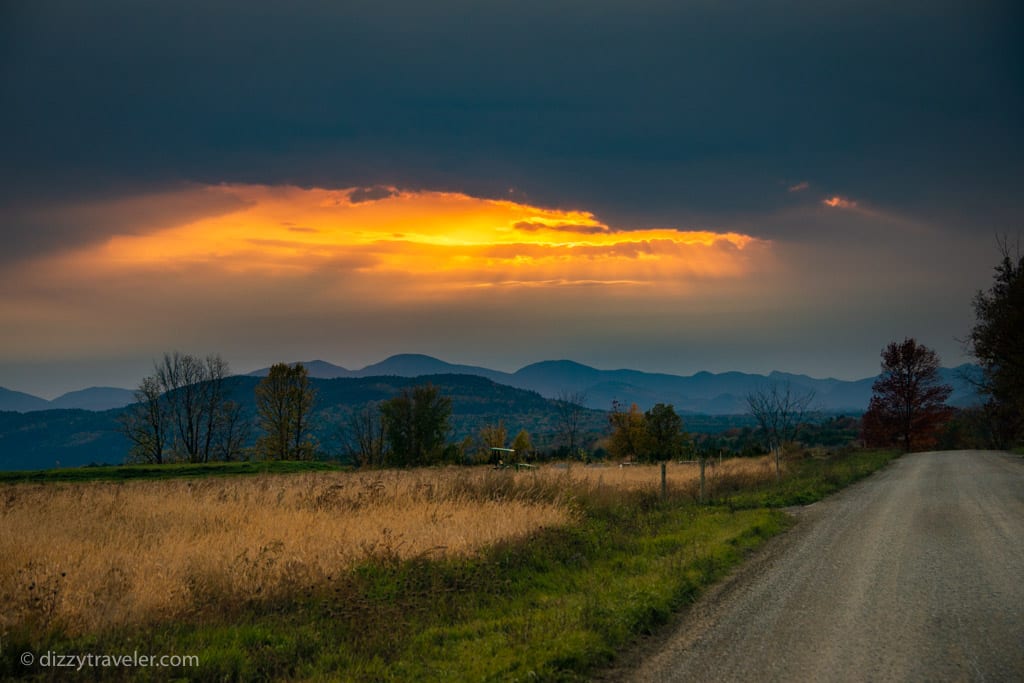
(282,253)
(643,111)
(675,186)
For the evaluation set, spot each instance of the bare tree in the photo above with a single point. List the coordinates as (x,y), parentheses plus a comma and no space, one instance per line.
(779,410)
(365,435)
(180,376)
(232,432)
(212,412)
(570,414)
(195,396)
(182,411)
(145,423)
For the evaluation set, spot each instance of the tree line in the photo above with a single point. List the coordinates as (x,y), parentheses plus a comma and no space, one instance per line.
(908,406)
(185,411)
(408,430)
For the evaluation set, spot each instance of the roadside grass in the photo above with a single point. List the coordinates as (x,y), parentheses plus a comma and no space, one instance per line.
(554,605)
(811,478)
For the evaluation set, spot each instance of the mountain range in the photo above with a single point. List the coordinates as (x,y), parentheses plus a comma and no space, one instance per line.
(93,398)
(704,392)
(83,427)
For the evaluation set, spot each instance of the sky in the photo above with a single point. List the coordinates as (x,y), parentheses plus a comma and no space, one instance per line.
(668,186)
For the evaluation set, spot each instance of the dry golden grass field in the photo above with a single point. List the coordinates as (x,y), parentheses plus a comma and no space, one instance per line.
(680,476)
(96,555)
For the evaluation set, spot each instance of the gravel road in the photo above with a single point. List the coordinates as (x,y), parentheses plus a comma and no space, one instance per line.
(914,574)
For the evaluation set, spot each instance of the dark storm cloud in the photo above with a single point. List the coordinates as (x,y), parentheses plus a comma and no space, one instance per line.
(370,194)
(527,226)
(32,230)
(644,112)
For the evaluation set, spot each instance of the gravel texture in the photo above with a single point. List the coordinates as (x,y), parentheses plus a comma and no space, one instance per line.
(914,574)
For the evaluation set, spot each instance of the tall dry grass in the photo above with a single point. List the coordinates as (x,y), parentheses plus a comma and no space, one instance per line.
(92,555)
(86,557)
(682,478)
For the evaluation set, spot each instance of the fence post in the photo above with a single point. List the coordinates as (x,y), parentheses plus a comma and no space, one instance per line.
(664,483)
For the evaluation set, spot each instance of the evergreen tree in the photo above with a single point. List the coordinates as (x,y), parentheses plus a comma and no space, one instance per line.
(416,426)
(665,432)
(997,341)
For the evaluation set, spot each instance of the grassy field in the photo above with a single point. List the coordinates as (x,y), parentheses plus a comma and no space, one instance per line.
(444,574)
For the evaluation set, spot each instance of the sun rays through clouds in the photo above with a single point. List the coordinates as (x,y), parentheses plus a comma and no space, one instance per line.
(419,244)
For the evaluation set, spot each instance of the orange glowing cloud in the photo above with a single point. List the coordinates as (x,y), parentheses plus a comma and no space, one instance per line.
(837,202)
(281,266)
(386,242)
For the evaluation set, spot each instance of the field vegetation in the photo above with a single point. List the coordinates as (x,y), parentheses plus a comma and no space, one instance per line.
(167,471)
(427,574)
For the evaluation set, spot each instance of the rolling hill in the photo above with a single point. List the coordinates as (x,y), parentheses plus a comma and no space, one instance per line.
(93,398)
(20,401)
(45,438)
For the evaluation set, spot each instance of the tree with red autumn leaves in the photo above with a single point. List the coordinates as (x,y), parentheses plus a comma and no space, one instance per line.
(909,402)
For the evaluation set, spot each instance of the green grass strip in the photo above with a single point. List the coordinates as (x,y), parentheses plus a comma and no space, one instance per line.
(812,479)
(168,471)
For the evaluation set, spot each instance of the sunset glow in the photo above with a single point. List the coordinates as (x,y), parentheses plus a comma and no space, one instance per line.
(424,241)
(837,202)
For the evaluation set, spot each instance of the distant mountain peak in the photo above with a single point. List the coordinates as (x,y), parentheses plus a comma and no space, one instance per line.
(20,402)
(413,356)
(564,363)
(319,369)
(418,364)
(94,398)
(401,363)
(322,369)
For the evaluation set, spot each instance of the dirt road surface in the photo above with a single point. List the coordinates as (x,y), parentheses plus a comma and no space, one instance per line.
(914,574)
